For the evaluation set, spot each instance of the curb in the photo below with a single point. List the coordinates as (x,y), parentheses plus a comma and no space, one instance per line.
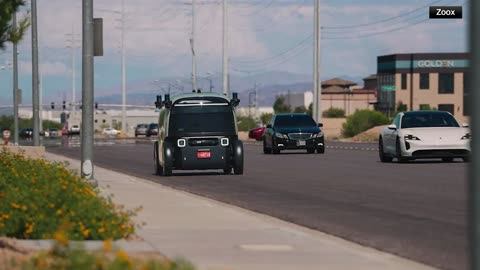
(90,245)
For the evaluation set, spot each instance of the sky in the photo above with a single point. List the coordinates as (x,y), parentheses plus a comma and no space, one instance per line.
(264,36)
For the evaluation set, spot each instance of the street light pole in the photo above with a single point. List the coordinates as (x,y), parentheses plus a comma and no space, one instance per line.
(35,81)
(317,85)
(225,46)
(474,168)
(192,44)
(87,91)
(15,84)
(124,80)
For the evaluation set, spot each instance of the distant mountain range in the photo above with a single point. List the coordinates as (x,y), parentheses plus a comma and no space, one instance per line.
(269,85)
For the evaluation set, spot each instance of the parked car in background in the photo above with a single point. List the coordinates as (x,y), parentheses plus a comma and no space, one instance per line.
(293,131)
(53,132)
(26,133)
(152,130)
(110,131)
(256,133)
(74,129)
(424,135)
(141,129)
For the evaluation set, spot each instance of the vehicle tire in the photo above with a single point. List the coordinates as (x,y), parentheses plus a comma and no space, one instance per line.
(321,150)
(227,171)
(158,168)
(238,157)
(447,159)
(400,158)
(381,153)
(266,150)
(466,159)
(167,159)
(310,150)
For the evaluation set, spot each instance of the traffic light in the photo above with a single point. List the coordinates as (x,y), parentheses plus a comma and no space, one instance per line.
(64,106)
(96,105)
(52,105)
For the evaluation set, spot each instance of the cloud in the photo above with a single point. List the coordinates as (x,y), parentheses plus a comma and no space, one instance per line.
(45,68)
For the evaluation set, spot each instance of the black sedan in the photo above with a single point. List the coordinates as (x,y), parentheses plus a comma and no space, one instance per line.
(293,131)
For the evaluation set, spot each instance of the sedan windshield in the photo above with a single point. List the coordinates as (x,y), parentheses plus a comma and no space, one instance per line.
(426,120)
(202,120)
(294,121)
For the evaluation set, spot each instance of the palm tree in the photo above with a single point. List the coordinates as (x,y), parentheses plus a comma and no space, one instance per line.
(8,32)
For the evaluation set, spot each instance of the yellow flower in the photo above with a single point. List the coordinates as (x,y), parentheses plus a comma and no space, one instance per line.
(24,207)
(61,238)
(122,256)
(107,245)
(52,205)
(101,230)
(59,212)
(16,206)
(29,228)
(64,187)
(72,213)
(86,232)
(5,216)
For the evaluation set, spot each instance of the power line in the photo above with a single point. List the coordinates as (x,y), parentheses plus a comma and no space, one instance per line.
(384,20)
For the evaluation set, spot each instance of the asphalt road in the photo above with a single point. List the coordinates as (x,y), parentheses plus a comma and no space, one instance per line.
(415,210)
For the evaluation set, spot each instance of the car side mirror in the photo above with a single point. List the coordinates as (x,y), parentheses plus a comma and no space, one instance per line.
(269,126)
(320,125)
(392,127)
(465,125)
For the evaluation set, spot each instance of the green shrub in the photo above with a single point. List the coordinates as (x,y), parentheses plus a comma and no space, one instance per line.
(334,113)
(265,118)
(38,197)
(246,123)
(363,120)
(65,256)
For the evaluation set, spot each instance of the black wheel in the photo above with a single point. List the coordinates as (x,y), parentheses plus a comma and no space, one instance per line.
(266,150)
(447,159)
(238,157)
(381,153)
(400,158)
(157,167)
(321,150)
(310,150)
(466,159)
(167,159)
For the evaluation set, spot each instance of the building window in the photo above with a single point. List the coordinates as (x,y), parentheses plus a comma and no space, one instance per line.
(447,107)
(424,81)
(425,107)
(96,121)
(404,81)
(445,83)
(104,121)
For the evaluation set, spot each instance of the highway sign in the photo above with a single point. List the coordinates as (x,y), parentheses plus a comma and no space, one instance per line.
(6,134)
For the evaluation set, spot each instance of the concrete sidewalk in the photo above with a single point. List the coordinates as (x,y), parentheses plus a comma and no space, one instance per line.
(217,236)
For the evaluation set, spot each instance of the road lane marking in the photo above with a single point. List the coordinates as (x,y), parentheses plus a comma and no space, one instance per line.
(257,247)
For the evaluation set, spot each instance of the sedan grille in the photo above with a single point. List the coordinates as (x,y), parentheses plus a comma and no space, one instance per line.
(300,136)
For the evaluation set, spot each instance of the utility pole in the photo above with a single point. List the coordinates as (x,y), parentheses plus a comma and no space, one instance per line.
(225,47)
(474,168)
(317,85)
(124,79)
(87,90)
(74,47)
(15,84)
(35,81)
(192,44)
(40,111)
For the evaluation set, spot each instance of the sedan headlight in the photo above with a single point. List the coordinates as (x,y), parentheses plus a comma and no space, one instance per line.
(467,136)
(318,135)
(411,138)
(281,136)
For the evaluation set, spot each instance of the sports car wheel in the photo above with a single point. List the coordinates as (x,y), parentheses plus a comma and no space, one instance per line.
(400,158)
(381,153)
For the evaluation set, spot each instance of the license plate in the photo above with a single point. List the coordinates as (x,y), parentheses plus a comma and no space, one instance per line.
(301,143)
(204,154)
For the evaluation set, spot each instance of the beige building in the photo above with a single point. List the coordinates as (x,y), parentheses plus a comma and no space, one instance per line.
(422,82)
